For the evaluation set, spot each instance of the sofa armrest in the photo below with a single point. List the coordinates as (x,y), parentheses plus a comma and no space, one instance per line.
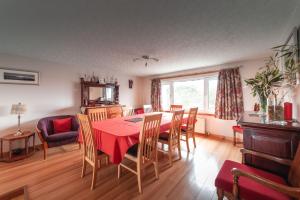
(266,156)
(290,191)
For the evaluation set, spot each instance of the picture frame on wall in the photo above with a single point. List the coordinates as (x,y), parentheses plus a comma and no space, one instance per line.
(292,40)
(15,76)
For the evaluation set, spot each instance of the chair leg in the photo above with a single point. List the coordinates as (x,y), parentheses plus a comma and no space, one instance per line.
(83,168)
(194,139)
(45,150)
(119,171)
(170,154)
(187,142)
(156,170)
(94,179)
(106,160)
(220,194)
(79,145)
(179,150)
(139,178)
(234,138)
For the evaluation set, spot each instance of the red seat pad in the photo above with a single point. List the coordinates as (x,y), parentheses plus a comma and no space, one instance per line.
(237,129)
(248,189)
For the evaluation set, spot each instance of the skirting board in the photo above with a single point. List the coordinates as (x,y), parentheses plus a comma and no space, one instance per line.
(218,137)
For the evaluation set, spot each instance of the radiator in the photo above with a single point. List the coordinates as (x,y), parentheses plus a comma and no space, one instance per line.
(200,125)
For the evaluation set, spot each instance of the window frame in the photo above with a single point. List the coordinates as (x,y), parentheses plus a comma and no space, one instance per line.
(206,79)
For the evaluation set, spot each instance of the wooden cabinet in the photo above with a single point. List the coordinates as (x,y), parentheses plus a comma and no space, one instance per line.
(273,138)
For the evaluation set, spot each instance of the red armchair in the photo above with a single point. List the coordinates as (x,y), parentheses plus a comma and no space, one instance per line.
(239,181)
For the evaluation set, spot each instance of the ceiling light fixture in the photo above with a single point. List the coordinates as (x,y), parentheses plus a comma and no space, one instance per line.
(146,59)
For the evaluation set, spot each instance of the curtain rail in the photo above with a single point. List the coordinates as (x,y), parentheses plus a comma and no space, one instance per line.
(186,75)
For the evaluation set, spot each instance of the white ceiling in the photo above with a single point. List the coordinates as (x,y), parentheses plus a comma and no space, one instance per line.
(110,33)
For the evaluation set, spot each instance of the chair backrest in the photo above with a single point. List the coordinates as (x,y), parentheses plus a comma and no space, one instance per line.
(114,111)
(175,107)
(192,119)
(175,130)
(89,143)
(147,151)
(148,108)
(128,111)
(294,173)
(97,114)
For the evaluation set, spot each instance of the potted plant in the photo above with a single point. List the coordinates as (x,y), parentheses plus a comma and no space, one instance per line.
(264,82)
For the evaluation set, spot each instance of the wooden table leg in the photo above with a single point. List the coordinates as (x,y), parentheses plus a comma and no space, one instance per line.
(33,140)
(10,151)
(1,143)
(26,146)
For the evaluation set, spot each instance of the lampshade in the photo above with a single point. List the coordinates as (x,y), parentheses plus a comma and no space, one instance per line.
(17,109)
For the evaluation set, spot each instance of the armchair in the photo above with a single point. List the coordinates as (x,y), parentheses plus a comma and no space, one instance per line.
(239,181)
(46,134)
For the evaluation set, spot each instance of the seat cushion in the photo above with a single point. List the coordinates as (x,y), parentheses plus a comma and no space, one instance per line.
(237,129)
(248,189)
(133,150)
(164,136)
(183,127)
(62,136)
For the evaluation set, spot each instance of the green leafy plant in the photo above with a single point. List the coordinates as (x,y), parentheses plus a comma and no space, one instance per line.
(264,82)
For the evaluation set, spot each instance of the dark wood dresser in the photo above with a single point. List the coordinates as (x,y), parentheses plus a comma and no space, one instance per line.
(275,138)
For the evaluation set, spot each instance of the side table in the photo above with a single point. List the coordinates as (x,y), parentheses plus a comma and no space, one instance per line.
(11,138)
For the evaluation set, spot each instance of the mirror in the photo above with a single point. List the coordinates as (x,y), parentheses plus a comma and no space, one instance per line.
(95,93)
(109,94)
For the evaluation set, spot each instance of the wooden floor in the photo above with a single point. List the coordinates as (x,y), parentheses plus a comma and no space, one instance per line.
(59,176)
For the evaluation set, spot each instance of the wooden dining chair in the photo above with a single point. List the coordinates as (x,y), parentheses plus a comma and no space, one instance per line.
(147,108)
(172,137)
(97,114)
(115,111)
(145,152)
(91,155)
(175,107)
(128,111)
(188,129)
(240,181)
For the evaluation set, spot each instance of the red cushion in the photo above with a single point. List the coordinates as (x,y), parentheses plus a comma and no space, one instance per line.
(183,127)
(248,189)
(62,125)
(164,136)
(139,111)
(238,129)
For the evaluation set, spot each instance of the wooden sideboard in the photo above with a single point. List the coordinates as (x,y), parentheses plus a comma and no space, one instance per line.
(273,138)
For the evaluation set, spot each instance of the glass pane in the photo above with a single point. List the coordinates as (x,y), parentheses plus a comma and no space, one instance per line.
(189,94)
(212,92)
(165,97)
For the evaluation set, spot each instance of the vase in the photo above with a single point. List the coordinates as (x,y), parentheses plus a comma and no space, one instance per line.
(275,110)
(263,104)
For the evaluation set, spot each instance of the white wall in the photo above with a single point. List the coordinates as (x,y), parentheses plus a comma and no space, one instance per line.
(213,125)
(58,92)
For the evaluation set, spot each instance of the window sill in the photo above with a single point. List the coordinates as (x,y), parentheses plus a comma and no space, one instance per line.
(206,114)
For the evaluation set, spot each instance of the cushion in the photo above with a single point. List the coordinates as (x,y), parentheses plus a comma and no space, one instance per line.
(238,129)
(248,189)
(164,136)
(62,125)
(183,127)
(133,150)
(62,136)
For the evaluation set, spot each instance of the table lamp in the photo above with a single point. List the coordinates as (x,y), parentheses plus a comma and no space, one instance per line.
(18,109)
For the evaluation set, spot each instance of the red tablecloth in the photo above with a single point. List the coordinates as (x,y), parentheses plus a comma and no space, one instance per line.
(115,136)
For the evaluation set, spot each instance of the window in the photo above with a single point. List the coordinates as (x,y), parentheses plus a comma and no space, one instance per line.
(192,92)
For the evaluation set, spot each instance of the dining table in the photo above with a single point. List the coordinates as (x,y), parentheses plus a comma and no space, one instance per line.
(115,136)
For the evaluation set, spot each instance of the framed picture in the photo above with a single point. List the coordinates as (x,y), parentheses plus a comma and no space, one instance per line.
(292,40)
(15,76)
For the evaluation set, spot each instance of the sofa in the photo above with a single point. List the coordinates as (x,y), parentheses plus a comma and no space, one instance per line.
(45,130)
